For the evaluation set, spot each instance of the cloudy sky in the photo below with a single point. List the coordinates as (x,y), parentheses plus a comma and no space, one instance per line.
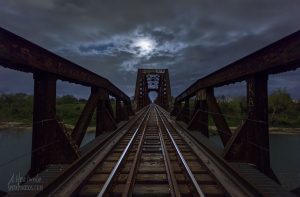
(114,38)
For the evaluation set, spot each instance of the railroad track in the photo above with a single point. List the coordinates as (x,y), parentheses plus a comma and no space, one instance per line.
(152,159)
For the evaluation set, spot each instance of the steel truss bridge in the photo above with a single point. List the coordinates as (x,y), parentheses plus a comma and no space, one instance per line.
(150,149)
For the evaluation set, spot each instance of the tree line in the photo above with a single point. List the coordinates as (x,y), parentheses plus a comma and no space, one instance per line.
(283,110)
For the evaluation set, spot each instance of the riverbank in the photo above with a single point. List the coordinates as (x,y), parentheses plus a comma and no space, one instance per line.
(22,126)
(14,125)
(287,131)
(272,130)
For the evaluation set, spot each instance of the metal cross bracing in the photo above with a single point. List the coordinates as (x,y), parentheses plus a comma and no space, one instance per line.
(152,80)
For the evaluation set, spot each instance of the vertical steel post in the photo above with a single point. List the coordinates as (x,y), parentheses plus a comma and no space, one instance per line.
(257,136)
(125,111)
(104,119)
(176,109)
(44,122)
(199,121)
(184,114)
(118,110)
(129,108)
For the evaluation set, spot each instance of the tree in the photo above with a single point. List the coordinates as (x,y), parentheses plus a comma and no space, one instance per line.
(67,99)
(280,107)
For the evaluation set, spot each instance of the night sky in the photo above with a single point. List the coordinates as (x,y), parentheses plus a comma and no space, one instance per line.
(114,38)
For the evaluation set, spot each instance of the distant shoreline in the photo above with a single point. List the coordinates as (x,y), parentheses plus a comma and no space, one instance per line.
(24,126)
(274,130)
(15,125)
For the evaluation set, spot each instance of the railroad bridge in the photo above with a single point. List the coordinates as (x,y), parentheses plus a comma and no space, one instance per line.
(144,148)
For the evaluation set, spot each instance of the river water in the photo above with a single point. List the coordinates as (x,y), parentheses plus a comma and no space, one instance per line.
(15,148)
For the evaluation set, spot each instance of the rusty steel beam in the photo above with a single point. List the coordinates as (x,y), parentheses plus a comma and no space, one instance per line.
(199,121)
(104,115)
(218,118)
(20,54)
(184,114)
(50,142)
(281,56)
(85,117)
(250,143)
(119,117)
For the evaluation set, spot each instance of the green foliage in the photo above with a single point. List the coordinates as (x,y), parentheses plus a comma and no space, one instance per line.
(69,108)
(234,110)
(67,99)
(69,113)
(283,111)
(16,108)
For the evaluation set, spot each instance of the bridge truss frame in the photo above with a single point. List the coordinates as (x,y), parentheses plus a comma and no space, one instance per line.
(145,84)
(52,143)
(278,57)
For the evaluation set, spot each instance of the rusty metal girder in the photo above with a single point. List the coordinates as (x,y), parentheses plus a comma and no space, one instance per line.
(281,56)
(51,143)
(85,117)
(20,54)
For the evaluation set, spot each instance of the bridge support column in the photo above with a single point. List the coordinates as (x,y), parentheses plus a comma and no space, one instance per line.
(176,109)
(121,111)
(251,142)
(258,130)
(129,108)
(184,114)
(125,111)
(199,120)
(50,141)
(167,91)
(118,110)
(104,118)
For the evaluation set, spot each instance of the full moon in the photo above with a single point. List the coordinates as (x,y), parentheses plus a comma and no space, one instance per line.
(144,45)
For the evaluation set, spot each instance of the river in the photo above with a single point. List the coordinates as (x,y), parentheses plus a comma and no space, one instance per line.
(15,148)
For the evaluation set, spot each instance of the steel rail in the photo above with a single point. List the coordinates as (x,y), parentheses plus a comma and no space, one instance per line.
(120,160)
(170,172)
(213,161)
(55,187)
(187,168)
(130,179)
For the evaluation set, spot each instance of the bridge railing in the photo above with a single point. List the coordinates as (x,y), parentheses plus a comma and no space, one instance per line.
(250,142)
(51,142)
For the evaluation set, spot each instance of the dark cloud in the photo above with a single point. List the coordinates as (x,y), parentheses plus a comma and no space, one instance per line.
(96,48)
(191,38)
